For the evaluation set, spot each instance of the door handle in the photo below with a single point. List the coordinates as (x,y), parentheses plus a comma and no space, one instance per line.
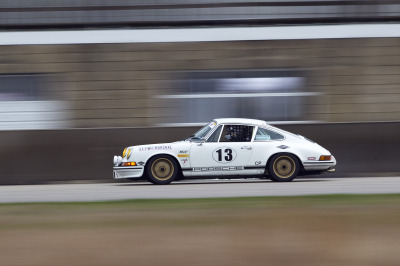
(247,148)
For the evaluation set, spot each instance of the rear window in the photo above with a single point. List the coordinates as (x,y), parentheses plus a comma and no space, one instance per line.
(265,134)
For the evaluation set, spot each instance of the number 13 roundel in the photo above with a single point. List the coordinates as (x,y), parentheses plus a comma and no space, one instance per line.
(224,155)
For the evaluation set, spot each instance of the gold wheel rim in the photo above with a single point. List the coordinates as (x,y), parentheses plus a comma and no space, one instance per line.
(284,167)
(162,169)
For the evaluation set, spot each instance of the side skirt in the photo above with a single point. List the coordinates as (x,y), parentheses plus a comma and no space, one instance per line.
(224,171)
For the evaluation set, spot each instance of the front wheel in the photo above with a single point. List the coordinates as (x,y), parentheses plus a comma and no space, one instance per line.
(162,170)
(283,167)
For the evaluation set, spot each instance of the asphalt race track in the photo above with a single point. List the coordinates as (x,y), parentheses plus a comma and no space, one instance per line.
(197,189)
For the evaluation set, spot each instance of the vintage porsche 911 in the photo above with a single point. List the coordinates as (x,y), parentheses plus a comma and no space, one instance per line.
(228,147)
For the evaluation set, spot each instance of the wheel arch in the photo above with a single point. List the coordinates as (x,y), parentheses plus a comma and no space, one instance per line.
(165,154)
(283,153)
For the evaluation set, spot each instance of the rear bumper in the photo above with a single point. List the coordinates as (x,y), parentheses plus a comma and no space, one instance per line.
(120,172)
(320,165)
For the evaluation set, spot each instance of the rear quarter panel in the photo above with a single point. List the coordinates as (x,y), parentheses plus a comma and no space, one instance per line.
(303,149)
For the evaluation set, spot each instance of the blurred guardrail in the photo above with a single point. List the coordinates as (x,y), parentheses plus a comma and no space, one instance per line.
(82,13)
(364,149)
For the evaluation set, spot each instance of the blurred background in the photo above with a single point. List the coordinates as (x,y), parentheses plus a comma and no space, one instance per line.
(80,80)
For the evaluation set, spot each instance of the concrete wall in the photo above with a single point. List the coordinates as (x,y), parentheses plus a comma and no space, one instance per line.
(58,155)
(106,86)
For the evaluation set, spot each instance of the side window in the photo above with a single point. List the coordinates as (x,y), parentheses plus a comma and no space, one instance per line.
(236,133)
(215,135)
(265,134)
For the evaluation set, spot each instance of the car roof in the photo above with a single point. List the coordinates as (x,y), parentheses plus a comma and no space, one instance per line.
(244,121)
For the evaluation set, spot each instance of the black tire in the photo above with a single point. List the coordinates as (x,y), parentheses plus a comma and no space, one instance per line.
(283,167)
(162,170)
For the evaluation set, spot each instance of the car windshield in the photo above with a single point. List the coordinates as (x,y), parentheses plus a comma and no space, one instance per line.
(203,131)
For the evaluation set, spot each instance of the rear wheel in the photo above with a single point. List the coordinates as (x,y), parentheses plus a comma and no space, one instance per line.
(283,167)
(162,170)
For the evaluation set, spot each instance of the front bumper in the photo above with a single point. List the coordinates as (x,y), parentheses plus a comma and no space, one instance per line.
(120,172)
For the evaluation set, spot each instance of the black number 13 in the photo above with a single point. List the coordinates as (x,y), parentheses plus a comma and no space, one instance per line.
(227,157)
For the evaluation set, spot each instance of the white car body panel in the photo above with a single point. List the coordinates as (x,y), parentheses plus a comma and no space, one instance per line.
(198,158)
(211,158)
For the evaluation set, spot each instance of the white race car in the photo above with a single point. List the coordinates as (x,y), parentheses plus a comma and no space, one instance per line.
(226,147)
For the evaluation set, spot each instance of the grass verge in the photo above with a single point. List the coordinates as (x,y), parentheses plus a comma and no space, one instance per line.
(306,230)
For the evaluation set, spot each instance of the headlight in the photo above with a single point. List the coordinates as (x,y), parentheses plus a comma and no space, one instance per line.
(117,160)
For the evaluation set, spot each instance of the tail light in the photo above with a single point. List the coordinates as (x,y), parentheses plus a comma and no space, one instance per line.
(325,158)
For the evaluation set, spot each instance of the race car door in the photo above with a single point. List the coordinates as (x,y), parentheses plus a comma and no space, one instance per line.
(226,152)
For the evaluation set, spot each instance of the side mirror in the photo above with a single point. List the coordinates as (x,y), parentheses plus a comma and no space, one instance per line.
(201,141)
